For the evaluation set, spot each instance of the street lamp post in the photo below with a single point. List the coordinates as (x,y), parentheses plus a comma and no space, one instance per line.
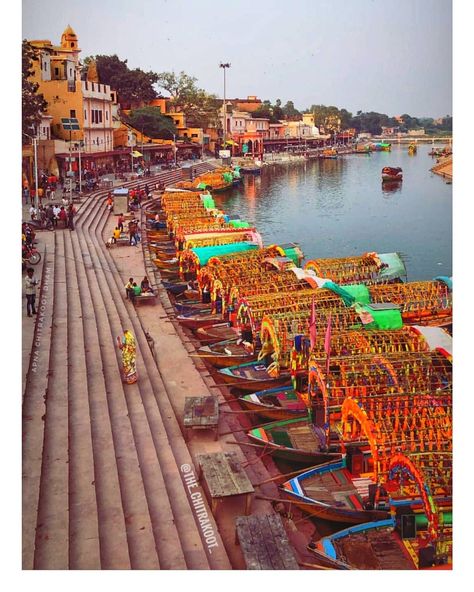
(35,150)
(224,66)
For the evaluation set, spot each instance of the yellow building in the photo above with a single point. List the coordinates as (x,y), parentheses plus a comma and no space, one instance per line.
(57,73)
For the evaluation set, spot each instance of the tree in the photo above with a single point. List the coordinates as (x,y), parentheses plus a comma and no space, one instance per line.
(290,112)
(201,109)
(152,122)
(33,104)
(132,86)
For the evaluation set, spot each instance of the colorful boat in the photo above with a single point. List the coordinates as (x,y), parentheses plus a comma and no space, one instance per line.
(252,376)
(381,147)
(196,320)
(295,440)
(215,332)
(392,174)
(412,149)
(225,353)
(276,403)
(328,153)
(331,492)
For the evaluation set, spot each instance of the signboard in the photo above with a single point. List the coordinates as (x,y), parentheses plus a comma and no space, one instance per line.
(224,153)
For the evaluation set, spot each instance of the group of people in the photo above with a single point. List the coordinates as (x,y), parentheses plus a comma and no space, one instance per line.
(133,230)
(132,289)
(55,213)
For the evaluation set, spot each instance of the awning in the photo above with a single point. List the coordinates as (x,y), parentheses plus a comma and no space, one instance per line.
(136,154)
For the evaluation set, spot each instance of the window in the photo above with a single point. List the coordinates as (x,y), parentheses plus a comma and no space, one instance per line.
(72,44)
(100,116)
(92,86)
(86,85)
(56,72)
(107,115)
(85,115)
(72,113)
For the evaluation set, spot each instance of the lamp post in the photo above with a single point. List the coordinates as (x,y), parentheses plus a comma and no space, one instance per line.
(224,66)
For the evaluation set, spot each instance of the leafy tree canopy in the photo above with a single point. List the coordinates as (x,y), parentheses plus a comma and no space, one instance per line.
(290,112)
(33,104)
(201,108)
(152,122)
(132,86)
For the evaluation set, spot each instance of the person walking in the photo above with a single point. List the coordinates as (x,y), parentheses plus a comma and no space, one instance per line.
(63,216)
(30,290)
(120,221)
(127,345)
(71,212)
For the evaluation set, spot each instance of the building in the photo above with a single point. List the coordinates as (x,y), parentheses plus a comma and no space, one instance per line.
(58,74)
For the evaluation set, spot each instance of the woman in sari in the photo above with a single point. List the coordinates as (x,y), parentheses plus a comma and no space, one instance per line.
(129,351)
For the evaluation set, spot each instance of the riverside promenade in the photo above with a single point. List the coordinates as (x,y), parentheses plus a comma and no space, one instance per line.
(107,474)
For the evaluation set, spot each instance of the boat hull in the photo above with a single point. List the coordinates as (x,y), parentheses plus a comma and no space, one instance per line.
(256,402)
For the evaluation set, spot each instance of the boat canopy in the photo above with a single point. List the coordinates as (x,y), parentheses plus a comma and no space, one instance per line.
(205,253)
(395,268)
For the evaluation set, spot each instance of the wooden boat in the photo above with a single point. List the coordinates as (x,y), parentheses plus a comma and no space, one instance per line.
(331,492)
(275,403)
(360,546)
(329,153)
(295,440)
(252,376)
(392,174)
(225,353)
(251,169)
(188,307)
(412,149)
(196,320)
(169,264)
(175,287)
(169,274)
(216,332)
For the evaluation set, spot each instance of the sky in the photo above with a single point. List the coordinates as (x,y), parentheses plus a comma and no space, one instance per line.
(389,56)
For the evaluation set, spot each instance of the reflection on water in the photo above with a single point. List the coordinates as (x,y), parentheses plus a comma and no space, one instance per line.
(390,187)
(337,208)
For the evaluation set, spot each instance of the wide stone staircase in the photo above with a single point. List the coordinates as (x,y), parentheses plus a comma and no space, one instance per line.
(102,487)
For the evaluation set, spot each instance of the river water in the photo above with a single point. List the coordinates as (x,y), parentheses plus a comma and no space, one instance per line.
(339,208)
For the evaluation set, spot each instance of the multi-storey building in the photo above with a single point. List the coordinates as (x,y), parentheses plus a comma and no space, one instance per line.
(58,74)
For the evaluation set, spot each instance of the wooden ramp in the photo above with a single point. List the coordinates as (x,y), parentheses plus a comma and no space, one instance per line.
(264,542)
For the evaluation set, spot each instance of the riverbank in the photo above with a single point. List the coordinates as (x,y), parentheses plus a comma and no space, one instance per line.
(444,168)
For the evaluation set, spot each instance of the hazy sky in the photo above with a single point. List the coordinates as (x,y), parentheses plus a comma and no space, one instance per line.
(390,56)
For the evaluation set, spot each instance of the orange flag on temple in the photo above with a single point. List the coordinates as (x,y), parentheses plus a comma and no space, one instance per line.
(327,343)
(312,326)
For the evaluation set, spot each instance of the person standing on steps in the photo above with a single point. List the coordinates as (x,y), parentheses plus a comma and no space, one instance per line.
(128,347)
(71,212)
(120,221)
(30,290)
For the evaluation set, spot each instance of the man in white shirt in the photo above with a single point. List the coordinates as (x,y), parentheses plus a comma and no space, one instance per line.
(30,290)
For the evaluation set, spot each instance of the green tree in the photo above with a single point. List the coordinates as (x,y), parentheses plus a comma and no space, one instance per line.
(132,86)
(201,108)
(152,122)
(33,104)
(290,112)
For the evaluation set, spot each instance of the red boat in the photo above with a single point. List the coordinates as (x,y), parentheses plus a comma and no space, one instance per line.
(392,174)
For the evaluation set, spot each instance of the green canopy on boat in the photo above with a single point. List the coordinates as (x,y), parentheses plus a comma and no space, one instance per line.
(293,252)
(205,253)
(202,186)
(380,316)
(239,224)
(208,201)
(395,268)
(359,292)
(228,177)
